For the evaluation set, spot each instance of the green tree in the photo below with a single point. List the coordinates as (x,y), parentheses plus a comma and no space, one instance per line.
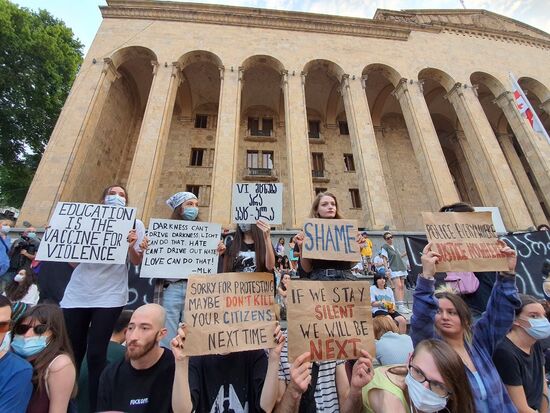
(39,59)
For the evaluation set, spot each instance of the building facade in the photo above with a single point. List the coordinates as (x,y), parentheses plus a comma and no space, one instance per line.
(395,115)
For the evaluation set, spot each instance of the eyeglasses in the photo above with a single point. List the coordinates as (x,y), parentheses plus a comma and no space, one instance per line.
(5,326)
(387,238)
(435,386)
(22,329)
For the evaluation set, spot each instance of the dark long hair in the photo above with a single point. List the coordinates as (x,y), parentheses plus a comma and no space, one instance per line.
(259,248)
(462,310)
(52,316)
(17,290)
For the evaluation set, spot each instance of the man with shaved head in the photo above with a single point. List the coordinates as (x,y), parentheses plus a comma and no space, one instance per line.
(142,382)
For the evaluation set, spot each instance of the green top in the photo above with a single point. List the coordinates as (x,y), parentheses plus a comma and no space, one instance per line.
(394,258)
(382,382)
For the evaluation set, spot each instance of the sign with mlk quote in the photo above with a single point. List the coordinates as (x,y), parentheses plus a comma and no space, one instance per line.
(467,241)
(229,312)
(330,319)
(91,233)
(331,239)
(179,248)
(252,202)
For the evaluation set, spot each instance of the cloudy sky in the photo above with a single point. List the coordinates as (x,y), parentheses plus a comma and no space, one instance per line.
(84,17)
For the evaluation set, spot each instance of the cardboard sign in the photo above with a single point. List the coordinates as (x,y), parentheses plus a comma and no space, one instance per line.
(331,239)
(467,241)
(330,319)
(87,233)
(252,202)
(179,248)
(229,312)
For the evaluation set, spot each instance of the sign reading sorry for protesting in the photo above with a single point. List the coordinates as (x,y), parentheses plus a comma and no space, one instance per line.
(330,319)
(467,241)
(87,233)
(252,202)
(331,239)
(229,312)
(179,248)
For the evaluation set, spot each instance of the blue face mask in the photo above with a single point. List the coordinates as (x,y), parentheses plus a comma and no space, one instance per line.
(115,200)
(540,328)
(27,347)
(31,235)
(5,229)
(190,213)
(5,346)
(422,398)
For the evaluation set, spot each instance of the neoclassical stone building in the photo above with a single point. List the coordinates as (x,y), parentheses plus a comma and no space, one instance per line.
(396,115)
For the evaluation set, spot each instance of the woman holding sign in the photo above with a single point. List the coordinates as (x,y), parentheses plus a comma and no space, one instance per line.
(325,206)
(185,207)
(447,316)
(95,297)
(251,249)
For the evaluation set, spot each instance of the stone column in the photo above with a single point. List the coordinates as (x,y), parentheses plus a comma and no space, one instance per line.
(297,145)
(534,146)
(55,177)
(427,148)
(497,180)
(153,135)
(225,154)
(377,211)
(529,194)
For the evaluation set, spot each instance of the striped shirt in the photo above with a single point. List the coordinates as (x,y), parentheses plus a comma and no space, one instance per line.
(326,394)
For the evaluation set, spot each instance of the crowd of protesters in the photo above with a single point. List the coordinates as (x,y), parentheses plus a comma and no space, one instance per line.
(88,354)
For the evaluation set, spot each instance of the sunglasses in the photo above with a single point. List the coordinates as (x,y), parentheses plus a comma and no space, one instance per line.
(5,326)
(22,329)
(387,238)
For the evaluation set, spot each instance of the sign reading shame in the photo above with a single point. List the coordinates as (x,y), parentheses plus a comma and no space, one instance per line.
(179,248)
(331,239)
(252,202)
(330,319)
(87,233)
(229,312)
(467,241)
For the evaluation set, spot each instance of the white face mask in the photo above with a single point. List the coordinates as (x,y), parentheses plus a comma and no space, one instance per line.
(115,200)
(5,229)
(422,398)
(5,345)
(19,277)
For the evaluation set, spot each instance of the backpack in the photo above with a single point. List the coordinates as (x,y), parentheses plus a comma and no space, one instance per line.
(462,282)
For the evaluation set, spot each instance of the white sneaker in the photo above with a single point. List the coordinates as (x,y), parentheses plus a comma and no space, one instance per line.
(403,310)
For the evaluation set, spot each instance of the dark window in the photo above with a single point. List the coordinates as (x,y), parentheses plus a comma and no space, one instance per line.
(343,125)
(355,198)
(320,190)
(314,129)
(318,164)
(197,156)
(253,125)
(193,189)
(267,125)
(348,160)
(201,121)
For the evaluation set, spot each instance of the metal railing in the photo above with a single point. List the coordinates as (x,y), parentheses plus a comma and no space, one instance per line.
(259,171)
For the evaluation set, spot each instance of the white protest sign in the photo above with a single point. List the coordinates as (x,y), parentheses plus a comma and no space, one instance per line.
(180,248)
(87,233)
(255,201)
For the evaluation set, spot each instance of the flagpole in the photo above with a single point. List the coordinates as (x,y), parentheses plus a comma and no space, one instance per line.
(536,119)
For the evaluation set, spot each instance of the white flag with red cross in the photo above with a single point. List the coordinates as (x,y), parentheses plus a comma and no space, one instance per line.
(524,107)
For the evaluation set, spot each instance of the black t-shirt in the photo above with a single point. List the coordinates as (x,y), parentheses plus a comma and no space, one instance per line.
(517,368)
(245,261)
(478,300)
(123,388)
(227,383)
(323,264)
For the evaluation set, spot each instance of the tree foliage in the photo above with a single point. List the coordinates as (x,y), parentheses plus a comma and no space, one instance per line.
(39,59)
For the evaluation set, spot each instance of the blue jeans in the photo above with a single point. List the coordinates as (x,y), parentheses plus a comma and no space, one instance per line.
(173,301)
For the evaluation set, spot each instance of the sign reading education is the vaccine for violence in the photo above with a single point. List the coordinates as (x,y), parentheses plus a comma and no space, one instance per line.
(330,319)
(331,239)
(466,241)
(180,248)
(229,312)
(255,201)
(87,233)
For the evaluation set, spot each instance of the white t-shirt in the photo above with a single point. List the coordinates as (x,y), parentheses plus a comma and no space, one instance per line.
(376,294)
(32,296)
(100,285)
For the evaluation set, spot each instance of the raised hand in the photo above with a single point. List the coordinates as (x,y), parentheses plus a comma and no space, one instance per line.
(510,254)
(177,344)
(279,339)
(429,260)
(300,373)
(362,372)
(221,248)
(132,238)
(265,228)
